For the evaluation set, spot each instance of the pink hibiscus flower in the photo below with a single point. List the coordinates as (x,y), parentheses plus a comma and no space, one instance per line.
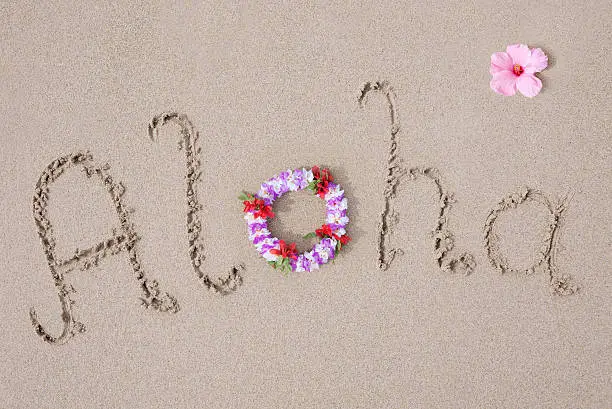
(515,69)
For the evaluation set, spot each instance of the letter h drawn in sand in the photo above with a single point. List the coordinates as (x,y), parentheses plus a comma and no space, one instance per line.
(194,226)
(396,172)
(124,240)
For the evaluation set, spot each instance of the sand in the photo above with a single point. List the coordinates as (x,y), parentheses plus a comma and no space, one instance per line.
(478,275)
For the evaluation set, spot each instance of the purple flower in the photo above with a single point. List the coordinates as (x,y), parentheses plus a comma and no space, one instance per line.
(317,257)
(327,243)
(282,178)
(257,226)
(333,202)
(335,226)
(305,264)
(269,189)
(266,247)
(299,179)
(336,212)
(261,238)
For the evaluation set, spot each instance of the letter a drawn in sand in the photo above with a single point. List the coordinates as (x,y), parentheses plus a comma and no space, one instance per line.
(396,172)
(194,226)
(125,240)
(560,284)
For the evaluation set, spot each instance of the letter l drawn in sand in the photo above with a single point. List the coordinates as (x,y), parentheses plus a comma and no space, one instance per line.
(194,226)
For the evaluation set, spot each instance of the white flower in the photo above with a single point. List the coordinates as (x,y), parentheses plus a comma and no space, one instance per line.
(309,175)
(291,180)
(333,192)
(339,232)
(313,264)
(270,241)
(259,232)
(335,218)
(323,252)
(276,184)
(299,264)
(264,194)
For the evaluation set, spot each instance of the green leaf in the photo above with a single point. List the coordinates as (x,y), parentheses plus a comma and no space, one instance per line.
(310,235)
(283,266)
(312,185)
(244,196)
(288,264)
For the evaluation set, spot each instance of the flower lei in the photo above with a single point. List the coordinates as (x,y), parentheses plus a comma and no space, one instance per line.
(278,253)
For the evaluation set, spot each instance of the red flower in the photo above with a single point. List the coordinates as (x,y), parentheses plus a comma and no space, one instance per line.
(322,188)
(286,251)
(326,231)
(264,212)
(345,239)
(259,207)
(323,178)
(249,206)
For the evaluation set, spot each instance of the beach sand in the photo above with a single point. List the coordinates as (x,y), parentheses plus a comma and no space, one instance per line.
(270,88)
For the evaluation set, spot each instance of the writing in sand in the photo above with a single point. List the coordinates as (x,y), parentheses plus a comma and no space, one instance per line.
(124,239)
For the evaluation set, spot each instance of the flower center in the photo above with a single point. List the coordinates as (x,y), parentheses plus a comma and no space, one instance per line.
(517,69)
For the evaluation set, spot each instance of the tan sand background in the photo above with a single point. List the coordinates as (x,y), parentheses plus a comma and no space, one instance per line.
(272,87)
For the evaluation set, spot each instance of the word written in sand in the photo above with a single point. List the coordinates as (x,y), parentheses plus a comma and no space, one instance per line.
(125,238)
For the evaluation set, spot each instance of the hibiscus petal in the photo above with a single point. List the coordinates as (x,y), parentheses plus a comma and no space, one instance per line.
(529,85)
(504,82)
(500,62)
(537,62)
(520,54)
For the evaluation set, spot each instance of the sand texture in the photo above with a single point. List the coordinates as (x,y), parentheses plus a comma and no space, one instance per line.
(478,275)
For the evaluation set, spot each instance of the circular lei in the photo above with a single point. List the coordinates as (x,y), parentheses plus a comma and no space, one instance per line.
(279,254)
